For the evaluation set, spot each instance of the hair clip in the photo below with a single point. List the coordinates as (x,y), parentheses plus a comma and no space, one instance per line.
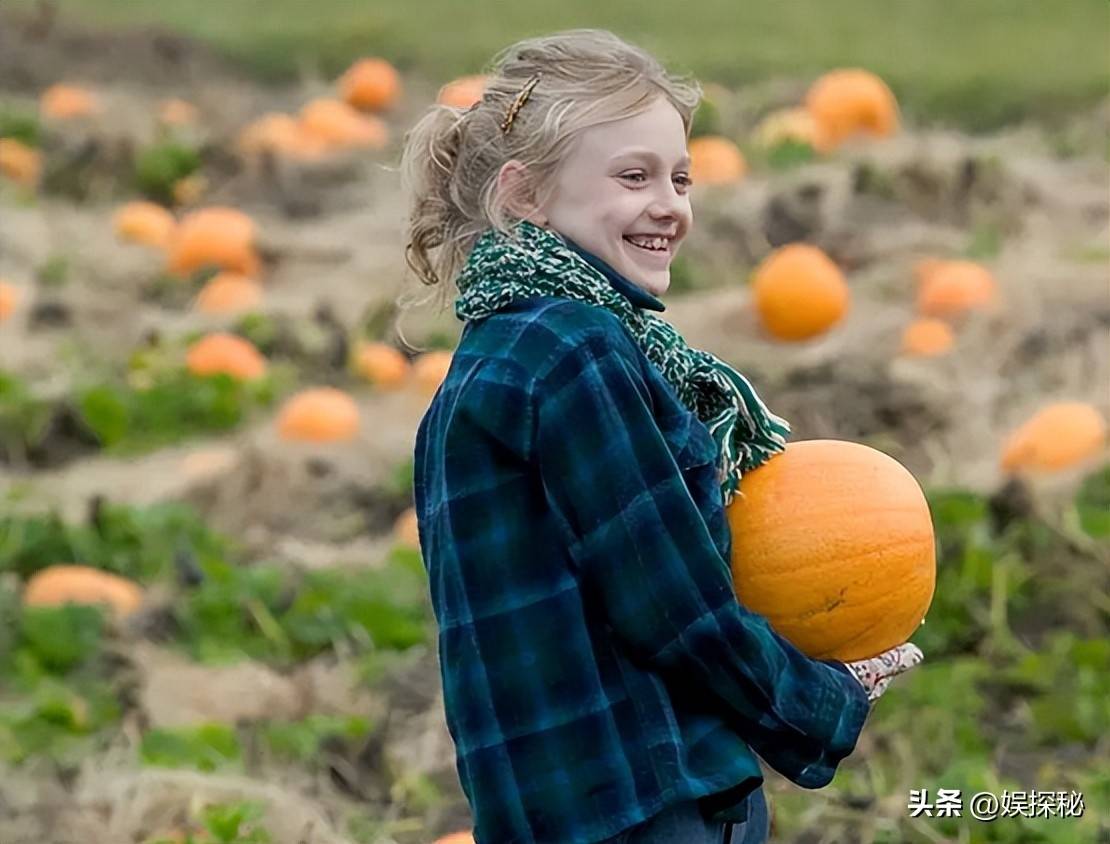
(520,100)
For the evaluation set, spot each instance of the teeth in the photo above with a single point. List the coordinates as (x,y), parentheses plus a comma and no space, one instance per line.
(659,244)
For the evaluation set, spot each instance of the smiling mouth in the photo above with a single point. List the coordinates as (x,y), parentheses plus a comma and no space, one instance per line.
(659,253)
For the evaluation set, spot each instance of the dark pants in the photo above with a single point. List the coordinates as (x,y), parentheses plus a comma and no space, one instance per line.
(684,824)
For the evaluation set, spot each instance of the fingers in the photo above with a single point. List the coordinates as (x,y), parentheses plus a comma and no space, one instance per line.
(875,674)
(900,659)
(878,690)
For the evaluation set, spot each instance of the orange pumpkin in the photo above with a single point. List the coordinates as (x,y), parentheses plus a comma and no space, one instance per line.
(371,84)
(9,298)
(337,124)
(456,838)
(923,270)
(790,125)
(715,161)
(280,134)
(850,102)
(144,222)
(63,102)
(833,544)
(429,370)
(73,584)
(225,353)
(1060,436)
(19,162)
(177,112)
(382,364)
(214,236)
(950,288)
(319,414)
(228,293)
(406,530)
(799,292)
(927,338)
(463,92)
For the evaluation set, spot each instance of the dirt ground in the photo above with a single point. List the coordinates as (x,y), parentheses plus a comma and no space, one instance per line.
(331,236)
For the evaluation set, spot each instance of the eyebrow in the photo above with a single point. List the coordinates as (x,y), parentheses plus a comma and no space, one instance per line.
(646,153)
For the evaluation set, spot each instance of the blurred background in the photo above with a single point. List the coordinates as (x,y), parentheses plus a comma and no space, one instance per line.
(214,622)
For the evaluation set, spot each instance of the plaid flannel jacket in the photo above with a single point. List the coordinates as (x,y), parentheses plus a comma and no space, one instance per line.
(596,664)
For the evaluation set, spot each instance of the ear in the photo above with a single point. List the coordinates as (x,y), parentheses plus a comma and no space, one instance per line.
(514,182)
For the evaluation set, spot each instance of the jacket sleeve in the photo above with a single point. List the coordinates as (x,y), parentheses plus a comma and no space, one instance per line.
(644,551)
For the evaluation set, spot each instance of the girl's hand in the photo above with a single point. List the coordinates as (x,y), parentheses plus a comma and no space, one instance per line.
(876,673)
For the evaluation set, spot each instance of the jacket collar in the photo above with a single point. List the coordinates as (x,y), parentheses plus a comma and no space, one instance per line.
(633,292)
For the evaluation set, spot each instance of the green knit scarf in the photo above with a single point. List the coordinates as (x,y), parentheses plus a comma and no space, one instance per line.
(499,271)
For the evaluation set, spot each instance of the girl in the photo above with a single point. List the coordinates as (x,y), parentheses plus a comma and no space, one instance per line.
(601,681)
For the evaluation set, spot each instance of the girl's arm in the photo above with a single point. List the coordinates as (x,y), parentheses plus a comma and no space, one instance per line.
(643,548)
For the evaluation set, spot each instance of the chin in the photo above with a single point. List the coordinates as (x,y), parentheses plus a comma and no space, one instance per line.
(656,285)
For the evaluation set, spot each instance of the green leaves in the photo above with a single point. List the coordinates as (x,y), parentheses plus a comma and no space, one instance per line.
(23,126)
(137,543)
(265,613)
(158,167)
(206,747)
(61,638)
(1093,504)
(173,406)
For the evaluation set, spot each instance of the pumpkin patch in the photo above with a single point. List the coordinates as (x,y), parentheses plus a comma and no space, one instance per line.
(216,607)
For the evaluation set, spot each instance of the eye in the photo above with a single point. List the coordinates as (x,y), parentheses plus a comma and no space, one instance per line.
(683,180)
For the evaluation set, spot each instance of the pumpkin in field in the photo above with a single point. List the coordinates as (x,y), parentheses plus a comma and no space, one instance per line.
(215,236)
(339,125)
(799,292)
(456,838)
(63,102)
(1060,436)
(280,134)
(228,293)
(429,370)
(319,414)
(73,584)
(382,365)
(405,529)
(463,92)
(19,162)
(851,102)
(715,160)
(9,298)
(228,354)
(370,84)
(177,112)
(927,338)
(950,288)
(144,222)
(790,125)
(833,544)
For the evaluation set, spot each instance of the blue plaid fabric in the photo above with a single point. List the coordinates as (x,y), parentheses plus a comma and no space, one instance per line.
(597,667)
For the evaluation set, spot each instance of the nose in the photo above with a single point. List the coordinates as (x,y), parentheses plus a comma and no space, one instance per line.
(668,205)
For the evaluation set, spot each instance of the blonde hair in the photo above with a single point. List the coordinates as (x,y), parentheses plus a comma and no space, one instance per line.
(452,156)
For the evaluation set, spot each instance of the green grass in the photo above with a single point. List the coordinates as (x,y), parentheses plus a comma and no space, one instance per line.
(979,64)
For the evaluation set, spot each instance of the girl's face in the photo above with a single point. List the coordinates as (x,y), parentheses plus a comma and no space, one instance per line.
(623,181)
